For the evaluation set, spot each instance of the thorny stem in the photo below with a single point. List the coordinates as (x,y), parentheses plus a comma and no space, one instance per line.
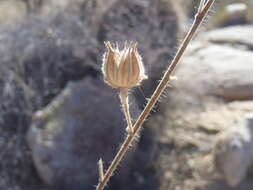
(154,98)
(124,101)
(100,170)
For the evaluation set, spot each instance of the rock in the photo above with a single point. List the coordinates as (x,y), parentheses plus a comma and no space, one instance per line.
(38,58)
(40,55)
(249,12)
(232,12)
(130,21)
(12,11)
(217,69)
(95,9)
(53,166)
(81,125)
(52,8)
(229,35)
(236,10)
(214,90)
(234,151)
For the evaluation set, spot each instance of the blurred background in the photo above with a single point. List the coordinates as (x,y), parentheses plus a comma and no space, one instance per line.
(57,117)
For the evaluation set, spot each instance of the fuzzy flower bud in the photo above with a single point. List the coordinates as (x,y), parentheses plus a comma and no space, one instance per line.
(122,69)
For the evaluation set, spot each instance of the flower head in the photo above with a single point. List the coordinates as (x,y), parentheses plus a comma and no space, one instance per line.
(122,69)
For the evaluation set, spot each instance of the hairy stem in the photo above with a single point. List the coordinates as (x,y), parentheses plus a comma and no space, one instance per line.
(201,5)
(124,101)
(100,170)
(154,98)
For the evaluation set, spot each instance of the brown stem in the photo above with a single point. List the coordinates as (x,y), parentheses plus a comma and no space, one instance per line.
(201,5)
(124,101)
(154,98)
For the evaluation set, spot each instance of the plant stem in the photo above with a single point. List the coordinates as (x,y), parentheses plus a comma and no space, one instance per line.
(100,170)
(124,101)
(154,98)
(201,5)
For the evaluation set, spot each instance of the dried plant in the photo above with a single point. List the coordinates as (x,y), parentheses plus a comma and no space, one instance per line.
(124,70)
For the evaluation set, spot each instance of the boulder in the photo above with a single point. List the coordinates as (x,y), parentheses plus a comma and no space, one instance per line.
(212,95)
(38,58)
(12,11)
(81,125)
(234,150)
(229,36)
(215,69)
(232,12)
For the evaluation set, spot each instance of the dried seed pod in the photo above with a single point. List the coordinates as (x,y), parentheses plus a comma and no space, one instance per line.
(122,69)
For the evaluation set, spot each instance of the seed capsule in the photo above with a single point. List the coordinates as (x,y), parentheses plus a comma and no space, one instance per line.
(122,69)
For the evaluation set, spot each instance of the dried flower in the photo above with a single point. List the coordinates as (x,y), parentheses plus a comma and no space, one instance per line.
(122,69)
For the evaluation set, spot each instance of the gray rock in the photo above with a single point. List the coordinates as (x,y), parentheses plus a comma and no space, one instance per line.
(242,34)
(213,93)
(51,8)
(12,11)
(231,12)
(217,70)
(81,125)
(234,151)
